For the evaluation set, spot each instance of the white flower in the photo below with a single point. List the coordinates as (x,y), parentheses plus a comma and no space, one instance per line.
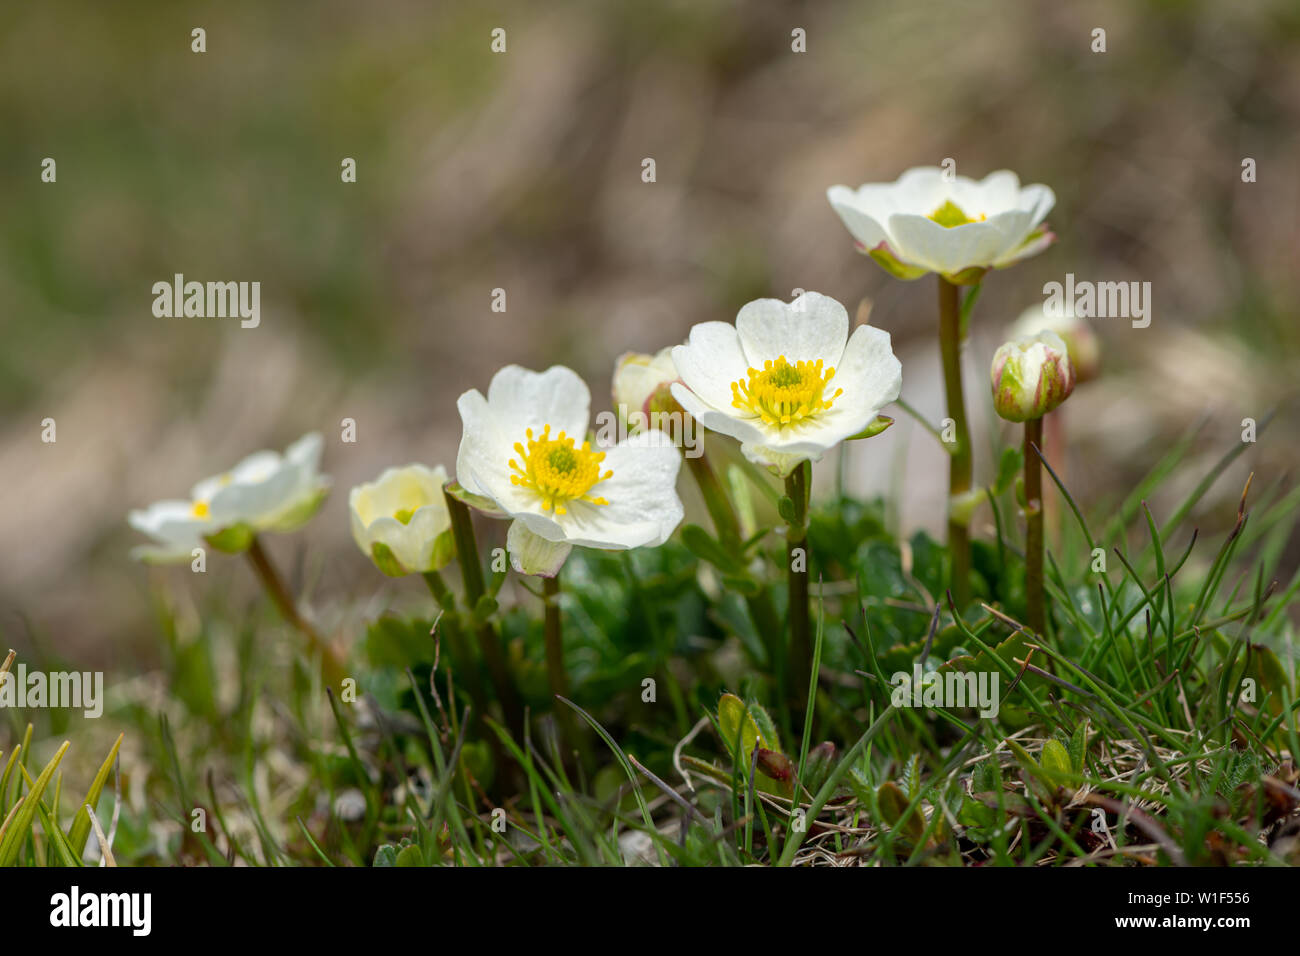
(523,448)
(266,491)
(1080,339)
(959,228)
(787,380)
(637,376)
(176,528)
(401,522)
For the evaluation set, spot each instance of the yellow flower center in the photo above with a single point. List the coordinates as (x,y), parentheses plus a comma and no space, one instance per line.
(785,394)
(404,515)
(558,470)
(200,509)
(950,214)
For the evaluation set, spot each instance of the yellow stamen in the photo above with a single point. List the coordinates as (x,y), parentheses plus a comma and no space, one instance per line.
(950,214)
(558,470)
(784,394)
(200,509)
(404,515)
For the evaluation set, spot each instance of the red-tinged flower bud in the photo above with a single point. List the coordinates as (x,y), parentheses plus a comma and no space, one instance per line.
(1031,376)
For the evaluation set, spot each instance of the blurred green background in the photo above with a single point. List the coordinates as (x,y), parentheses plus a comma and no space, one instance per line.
(522,171)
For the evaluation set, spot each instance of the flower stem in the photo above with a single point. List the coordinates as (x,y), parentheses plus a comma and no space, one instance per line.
(557,677)
(471,572)
(800,650)
(273,584)
(727,525)
(959,462)
(1035,613)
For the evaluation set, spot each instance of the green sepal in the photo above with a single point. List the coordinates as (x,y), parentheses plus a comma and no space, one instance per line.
(233,540)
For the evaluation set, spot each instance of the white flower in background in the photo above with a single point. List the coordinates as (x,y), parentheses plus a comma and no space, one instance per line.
(266,491)
(175,526)
(400,520)
(637,376)
(1031,376)
(787,380)
(959,228)
(524,449)
(1078,335)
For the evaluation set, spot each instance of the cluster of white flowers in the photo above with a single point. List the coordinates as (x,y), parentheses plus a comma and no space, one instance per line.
(787,380)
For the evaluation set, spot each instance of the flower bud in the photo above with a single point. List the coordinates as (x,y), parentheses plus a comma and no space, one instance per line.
(400,520)
(637,377)
(1079,338)
(1031,376)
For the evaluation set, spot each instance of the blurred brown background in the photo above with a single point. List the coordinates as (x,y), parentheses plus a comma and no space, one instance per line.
(522,171)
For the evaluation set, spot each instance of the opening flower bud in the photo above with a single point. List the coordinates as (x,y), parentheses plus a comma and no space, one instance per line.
(1031,376)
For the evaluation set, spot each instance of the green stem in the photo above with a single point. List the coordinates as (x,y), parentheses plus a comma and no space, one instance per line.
(959,463)
(557,677)
(1035,614)
(727,526)
(800,650)
(273,584)
(471,571)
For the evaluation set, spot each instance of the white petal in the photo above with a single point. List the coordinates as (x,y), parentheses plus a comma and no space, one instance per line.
(741,428)
(1038,200)
(306,451)
(710,361)
(857,218)
(869,372)
(521,399)
(531,554)
(995,193)
(812,327)
(643,504)
(922,241)
(256,503)
(483,460)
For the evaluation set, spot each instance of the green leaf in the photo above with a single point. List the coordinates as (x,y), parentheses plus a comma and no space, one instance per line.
(1079,746)
(15,833)
(386,855)
(987,776)
(1055,761)
(707,548)
(893,803)
(734,718)
(411,856)
(58,842)
(80,828)
(485,608)
(746,587)
(818,766)
(766,726)
(785,507)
